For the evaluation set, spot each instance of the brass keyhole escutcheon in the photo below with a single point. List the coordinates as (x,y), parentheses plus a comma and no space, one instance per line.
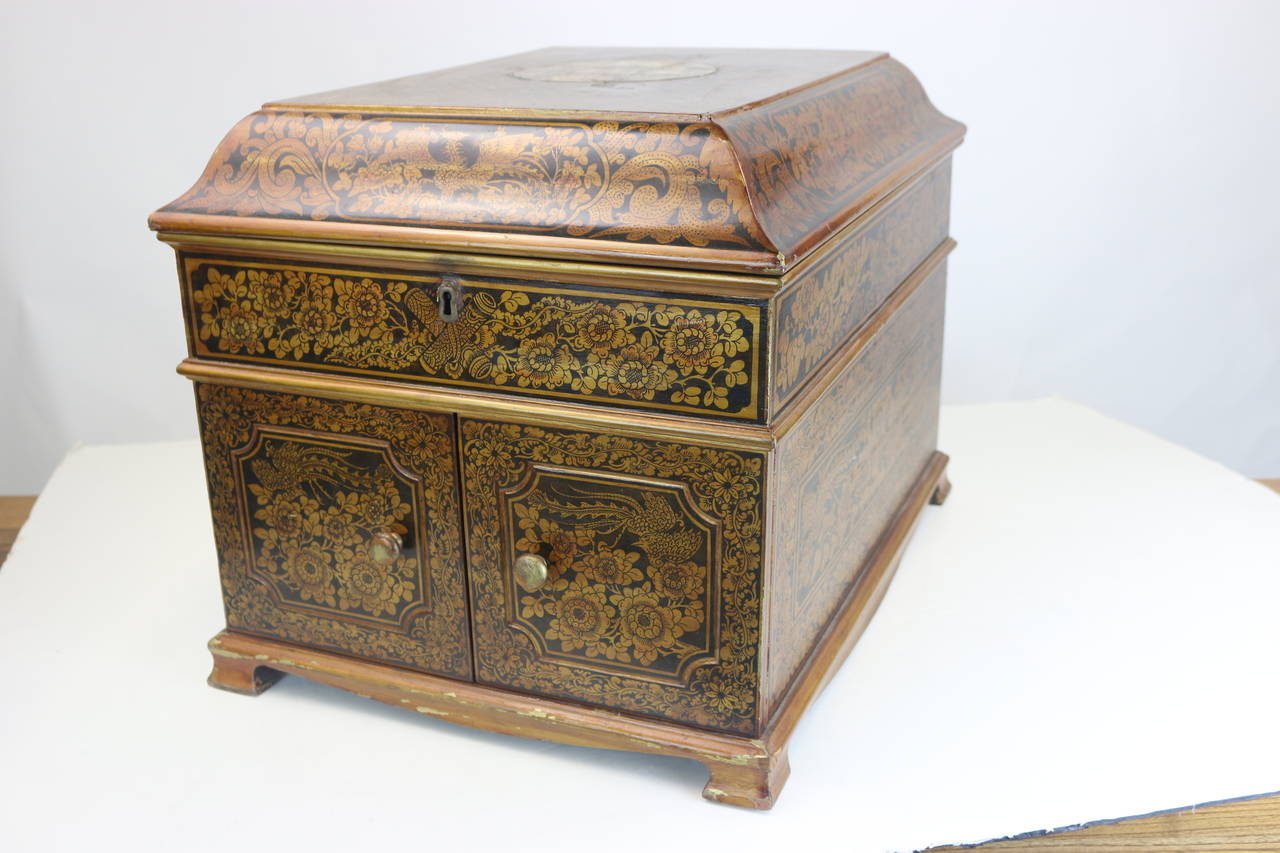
(384,547)
(449,299)
(530,571)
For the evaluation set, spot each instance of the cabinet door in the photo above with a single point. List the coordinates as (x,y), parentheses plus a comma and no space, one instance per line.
(616,571)
(337,525)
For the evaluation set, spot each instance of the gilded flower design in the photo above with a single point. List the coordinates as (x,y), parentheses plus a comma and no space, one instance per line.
(226,314)
(338,525)
(372,588)
(365,305)
(272,292)
(727,487)
(610,565)
(725,692)
(605,552)
(649,627)
(494,453)
(310,571)
(315,329)
(678,580)
(319,509)
(540,533)
(637,372)
(294,516)
(629,617)
(582,618)
(690,342)
(678,354)
(284,518)
(542,362)
(385,506)
(602,329)
(239,328)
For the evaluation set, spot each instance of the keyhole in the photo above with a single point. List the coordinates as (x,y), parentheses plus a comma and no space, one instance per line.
(449,297)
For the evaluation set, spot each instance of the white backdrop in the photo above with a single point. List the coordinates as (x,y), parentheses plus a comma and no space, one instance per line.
(1115,202)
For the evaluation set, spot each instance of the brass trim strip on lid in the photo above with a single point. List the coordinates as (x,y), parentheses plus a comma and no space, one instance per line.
(521,114)
(702,283)
(487,242)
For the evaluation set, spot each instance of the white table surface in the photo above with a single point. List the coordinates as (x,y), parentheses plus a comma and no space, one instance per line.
(1088,629)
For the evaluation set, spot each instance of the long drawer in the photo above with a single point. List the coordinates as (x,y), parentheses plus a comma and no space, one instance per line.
(632,349)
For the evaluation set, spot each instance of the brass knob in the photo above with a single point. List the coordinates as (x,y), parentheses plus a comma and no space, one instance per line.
(384,547)
(530,571)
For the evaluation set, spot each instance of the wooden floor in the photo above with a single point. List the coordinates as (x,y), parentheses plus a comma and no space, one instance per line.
(1238,825)
(1249,824)
(13,512)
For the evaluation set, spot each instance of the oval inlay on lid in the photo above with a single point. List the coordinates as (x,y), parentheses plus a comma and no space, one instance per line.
(638,70)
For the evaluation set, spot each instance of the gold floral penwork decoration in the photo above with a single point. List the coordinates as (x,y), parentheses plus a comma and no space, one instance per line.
(299,486)
(315,510)
(640,182)
(827,304)
(678,355)
(628,573)
(629,585)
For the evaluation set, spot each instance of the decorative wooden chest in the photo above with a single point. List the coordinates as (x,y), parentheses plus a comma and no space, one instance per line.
(585,395)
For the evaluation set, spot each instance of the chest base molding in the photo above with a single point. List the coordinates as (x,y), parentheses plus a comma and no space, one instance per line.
(743,771)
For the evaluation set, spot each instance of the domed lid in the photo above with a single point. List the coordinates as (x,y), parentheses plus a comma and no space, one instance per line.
(724,159)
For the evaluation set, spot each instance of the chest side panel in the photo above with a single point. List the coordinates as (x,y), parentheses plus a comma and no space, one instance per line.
(651,603)
(833,297)
(632,349)
(844,469)
(337,525)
